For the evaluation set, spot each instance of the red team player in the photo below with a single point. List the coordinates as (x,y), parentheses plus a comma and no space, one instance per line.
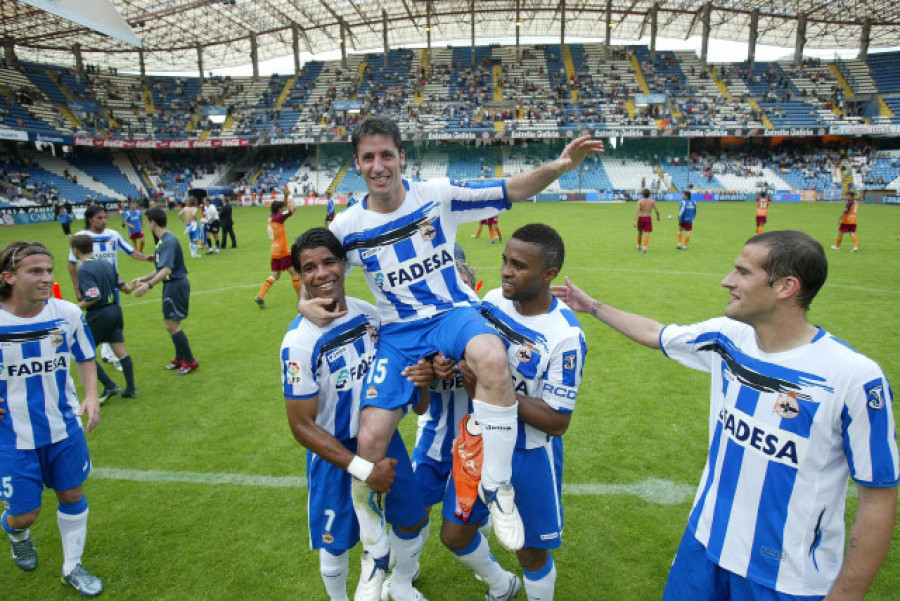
(281,252)
(643,220)
(762,211)
(847,223)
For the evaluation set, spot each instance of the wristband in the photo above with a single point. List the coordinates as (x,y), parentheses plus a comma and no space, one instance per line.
(360,469)
(149,285)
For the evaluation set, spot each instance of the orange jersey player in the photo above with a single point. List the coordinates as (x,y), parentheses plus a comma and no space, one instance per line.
(847,223)
(280,250)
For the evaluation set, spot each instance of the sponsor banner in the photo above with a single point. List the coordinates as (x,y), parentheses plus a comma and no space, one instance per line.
(215,110)
(600,197)
(163,144)
(643,99)
(23,215)
(885,197)
(831,194)
(865,130)
(13,134)
(347,105)
(53,139)
(786,196)
(83,106)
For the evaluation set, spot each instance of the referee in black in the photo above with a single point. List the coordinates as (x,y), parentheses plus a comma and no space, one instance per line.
(99,285)
(176,290)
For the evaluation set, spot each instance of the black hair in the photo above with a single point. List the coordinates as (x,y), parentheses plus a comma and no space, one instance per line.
(377,126)
(157,215)
(315,237)
(91,211)
(794,253)
(551,245)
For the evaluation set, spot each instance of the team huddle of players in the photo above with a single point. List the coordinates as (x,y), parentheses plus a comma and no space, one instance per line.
(495,382)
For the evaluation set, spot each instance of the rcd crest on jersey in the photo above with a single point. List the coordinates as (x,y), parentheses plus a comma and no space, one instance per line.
(525,352)
(372,332)
(427,231)
(379,279)
(786,405)
(56,338)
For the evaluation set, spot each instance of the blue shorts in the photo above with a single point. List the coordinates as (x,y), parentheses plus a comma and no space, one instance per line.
(403,344)
(694,576)
(432,476)
(332,521)
(61,466)
(538,484)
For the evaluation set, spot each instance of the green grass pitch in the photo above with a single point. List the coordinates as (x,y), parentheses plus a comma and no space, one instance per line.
(195,493)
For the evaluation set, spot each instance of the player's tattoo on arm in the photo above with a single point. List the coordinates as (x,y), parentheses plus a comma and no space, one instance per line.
(595,308)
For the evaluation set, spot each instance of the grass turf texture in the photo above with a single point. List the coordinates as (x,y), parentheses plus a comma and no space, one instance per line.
(640,419)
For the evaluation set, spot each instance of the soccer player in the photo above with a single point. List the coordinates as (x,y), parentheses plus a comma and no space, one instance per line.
(329,209)
(42,440)
(440,412)
(494,229)
(481,224)
(643,220)
(546,352)
(107,243)
(211,219)
(794,412)
(280,252)
(133,220)
(99,284)
(402,234)
(193,228)
(847,223)
(323,372)
(686,213)
(65,218)
(762,211)
(176,293)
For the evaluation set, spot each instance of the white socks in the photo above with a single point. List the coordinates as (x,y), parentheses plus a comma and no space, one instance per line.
(334,570)
(372,531)
(499,430)
(478,558)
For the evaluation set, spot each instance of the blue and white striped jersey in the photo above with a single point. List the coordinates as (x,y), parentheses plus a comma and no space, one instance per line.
(546,356)
(106,246)
(785,432)
(330,363)
(36,355)
(438,425)
(407,255)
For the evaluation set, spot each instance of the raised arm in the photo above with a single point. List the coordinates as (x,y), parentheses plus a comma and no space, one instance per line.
(641,329)
(870,537)
(525,185)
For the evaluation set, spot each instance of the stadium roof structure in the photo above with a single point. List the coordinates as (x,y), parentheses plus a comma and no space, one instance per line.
(230,31)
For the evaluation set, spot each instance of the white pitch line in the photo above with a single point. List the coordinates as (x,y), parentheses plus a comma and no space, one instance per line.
(662,492)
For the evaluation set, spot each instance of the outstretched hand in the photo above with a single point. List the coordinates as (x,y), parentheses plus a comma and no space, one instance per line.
(579,149)
(576,298)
